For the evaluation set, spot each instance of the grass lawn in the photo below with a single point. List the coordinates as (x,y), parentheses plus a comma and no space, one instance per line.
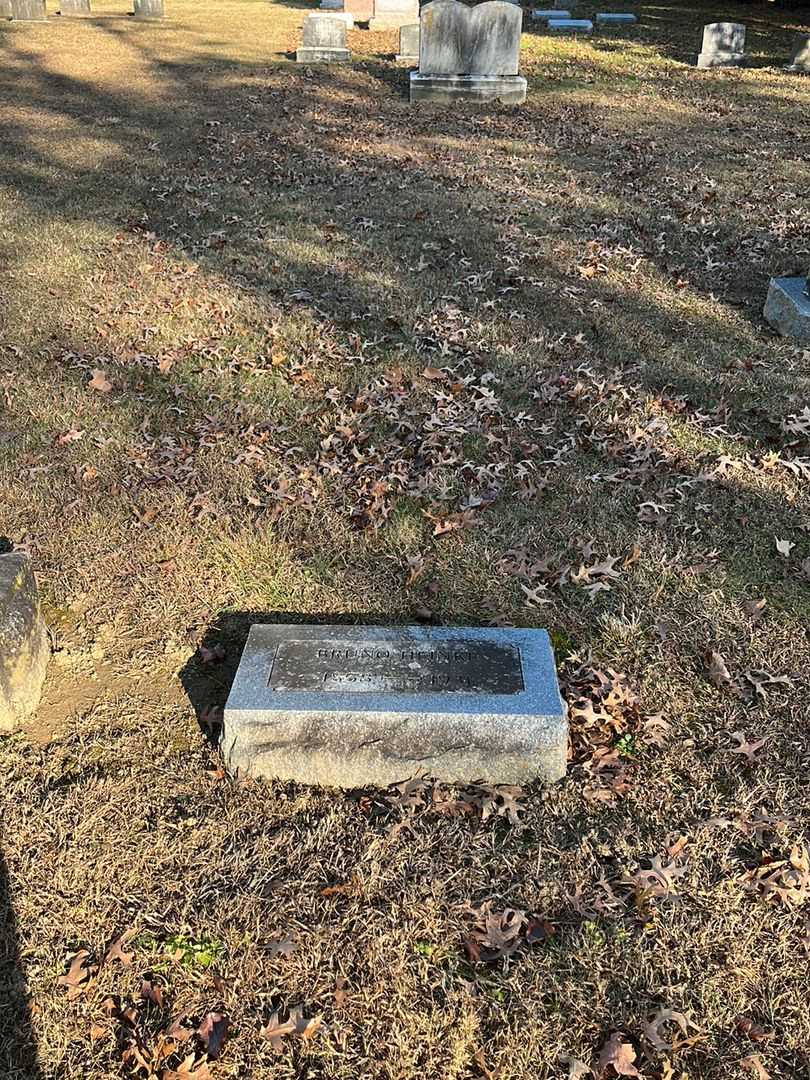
(274,344)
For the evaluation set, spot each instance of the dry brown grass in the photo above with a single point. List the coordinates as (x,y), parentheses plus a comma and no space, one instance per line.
(228,238)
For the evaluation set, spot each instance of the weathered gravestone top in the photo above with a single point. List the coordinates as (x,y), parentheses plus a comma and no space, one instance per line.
(408,44)
(324,39)
(393,14)
(28,10)
(723,45)
(458,40)
(348,706)
(469,53)
(800,54)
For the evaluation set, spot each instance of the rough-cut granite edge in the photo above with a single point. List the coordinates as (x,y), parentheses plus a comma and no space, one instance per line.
(787,308)
(349,739)
(24,647)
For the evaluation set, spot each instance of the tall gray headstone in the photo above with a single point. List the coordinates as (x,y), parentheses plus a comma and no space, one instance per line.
(148,9)
(800,54)
(28,10)
(74,7)
(469,53)
(350,706)
(324,40)
(723,45)
(409,44)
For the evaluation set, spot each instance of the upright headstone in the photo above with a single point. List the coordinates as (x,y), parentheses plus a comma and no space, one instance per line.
(787,307)
(5,9)
(800,54)
(74,7)
(148,9)
(361,10)
(391,14)
(723,45)
(28,10)
(324,40)
(350,706)
(409,44)
(469,53)
(24,648)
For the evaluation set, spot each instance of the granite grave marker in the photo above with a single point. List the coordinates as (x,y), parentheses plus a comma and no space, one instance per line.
(148,9)
(787,307)
(723,45)
(570,26)
(800,54)
(28,10)
(74,8)
(348,706)
(391,14)
(469,53)
(409,44)
(24,649)
(324,40)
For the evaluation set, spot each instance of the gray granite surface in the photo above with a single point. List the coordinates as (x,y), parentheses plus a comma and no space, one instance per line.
(570,26)
(544,14)
(615,18)
(459,40)
(787,307)
(393,702)
(723,45)
(800,54)
(28,10)
(409,44)
(447,89)
(149,9)
(24,648)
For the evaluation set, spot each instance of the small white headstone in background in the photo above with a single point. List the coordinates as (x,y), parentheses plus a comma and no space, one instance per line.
(324,40)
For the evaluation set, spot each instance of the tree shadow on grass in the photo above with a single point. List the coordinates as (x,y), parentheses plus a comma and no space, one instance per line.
(18,1053)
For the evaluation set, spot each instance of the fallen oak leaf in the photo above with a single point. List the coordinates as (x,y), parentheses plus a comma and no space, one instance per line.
(718,673)
(753,1063)
(116,950)
(99,382)
(213,1032)
(754,609)
(152,992)
(434,374)
(188,1069)
(652,1029)
(749,749)
(619,1056)
(80,975)
(755,1032)
(274,1031)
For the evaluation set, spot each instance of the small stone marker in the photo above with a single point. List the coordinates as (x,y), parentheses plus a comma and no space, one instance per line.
(74,8)
(787,307)
(409,44)
(469,53)
(24,647)
(391,14)
(544,14)
(615,18)
(570,26)
(28,10)
(324,40)
(800,54)
(349,706)
(148,9)
(723,45)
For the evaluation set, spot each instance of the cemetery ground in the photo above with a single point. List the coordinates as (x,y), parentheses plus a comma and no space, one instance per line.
(273,344)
